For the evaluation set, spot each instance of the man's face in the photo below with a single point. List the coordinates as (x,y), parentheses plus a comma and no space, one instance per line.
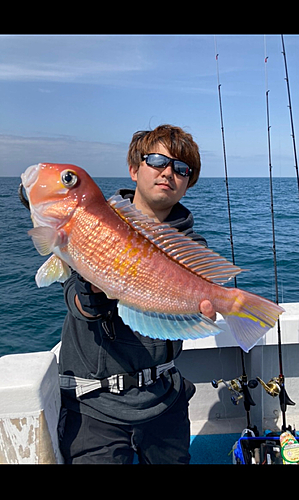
(158,188)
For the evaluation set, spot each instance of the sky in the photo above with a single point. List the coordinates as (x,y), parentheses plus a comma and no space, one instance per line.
(79,98)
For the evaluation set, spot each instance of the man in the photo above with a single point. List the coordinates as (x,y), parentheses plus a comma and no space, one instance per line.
(134,398)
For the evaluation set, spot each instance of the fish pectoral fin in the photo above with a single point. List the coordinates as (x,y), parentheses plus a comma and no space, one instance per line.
(54,269)
(46,238)
(167,326)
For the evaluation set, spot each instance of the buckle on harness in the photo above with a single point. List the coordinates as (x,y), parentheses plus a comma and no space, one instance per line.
(147,376)
(126,381)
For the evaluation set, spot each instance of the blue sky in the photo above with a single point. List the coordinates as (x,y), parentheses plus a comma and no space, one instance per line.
(79,98)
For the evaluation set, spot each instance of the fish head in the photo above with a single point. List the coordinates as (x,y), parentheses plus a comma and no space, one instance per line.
(54,191)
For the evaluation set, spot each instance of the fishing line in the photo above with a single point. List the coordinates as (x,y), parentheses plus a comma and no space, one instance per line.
(283,397)
(290,108)
(225,163)
(244,379)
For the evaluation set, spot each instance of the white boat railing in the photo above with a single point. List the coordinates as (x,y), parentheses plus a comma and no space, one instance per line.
(30,393)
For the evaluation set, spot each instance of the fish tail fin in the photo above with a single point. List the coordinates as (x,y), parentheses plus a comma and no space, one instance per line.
(251,317)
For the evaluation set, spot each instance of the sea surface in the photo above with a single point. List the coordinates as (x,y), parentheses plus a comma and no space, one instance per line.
(31,318)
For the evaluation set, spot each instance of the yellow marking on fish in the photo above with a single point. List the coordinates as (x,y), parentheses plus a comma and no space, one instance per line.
(248,316)
(123,262)
(133,252)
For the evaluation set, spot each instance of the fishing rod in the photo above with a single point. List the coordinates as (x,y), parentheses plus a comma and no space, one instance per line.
(276,386)
(290,108)
(239,386)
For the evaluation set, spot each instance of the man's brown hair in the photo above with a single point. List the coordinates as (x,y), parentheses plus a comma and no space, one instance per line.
(179,143)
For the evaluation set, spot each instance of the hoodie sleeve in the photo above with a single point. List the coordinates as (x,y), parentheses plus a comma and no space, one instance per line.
(95,304)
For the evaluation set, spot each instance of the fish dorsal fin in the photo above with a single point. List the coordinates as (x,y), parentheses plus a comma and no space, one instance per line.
(192,255)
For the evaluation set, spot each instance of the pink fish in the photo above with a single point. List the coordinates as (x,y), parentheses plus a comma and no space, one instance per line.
(159,275)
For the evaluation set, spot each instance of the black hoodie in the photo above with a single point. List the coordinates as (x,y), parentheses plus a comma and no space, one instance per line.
(87,351)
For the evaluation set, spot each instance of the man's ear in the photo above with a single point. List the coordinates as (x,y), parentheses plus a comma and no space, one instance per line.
(133,172)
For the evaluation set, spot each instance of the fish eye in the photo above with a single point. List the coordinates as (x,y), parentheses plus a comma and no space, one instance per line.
(68,178)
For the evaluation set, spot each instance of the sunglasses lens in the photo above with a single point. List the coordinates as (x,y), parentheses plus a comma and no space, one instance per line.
(181,168)
(156,160)
(160,161)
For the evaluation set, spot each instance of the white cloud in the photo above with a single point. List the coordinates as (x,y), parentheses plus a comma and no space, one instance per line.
(66,58)
(82,71)
(98,158)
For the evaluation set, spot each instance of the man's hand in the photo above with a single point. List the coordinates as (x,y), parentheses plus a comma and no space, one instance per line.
(207,309)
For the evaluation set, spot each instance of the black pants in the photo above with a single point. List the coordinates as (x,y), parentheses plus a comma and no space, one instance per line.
(162,440)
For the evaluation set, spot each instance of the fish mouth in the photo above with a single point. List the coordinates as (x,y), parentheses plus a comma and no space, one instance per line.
(28,179)
(30,176)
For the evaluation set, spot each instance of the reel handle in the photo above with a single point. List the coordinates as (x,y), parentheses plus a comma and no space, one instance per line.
(215,383)
(235,399)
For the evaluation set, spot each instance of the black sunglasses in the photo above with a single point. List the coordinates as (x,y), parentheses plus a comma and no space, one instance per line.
(161,161)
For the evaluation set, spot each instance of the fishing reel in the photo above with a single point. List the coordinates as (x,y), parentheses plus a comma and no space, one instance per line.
(275,387)
(239,388)
(272,387)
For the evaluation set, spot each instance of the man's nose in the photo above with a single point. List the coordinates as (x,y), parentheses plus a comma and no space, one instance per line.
(168,172)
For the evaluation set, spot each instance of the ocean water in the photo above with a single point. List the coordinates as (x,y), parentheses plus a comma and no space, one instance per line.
(31,318)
